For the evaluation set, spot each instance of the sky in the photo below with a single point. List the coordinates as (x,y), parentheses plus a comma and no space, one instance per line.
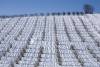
(13,7)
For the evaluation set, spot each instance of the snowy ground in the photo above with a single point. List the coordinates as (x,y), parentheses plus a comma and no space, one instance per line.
(50,41)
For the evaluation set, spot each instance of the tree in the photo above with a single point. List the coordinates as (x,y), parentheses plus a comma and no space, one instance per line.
(48,14)
(73,13)
(53,13)
(88,9)
(58,13)
(64,13)
(41,14)
(77,13)
(35,14)
(81,13)
(69,13)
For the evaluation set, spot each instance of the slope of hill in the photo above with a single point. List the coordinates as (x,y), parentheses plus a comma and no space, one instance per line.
(50,41)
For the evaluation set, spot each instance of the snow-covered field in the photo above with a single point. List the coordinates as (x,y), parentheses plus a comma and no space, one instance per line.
(50,41)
